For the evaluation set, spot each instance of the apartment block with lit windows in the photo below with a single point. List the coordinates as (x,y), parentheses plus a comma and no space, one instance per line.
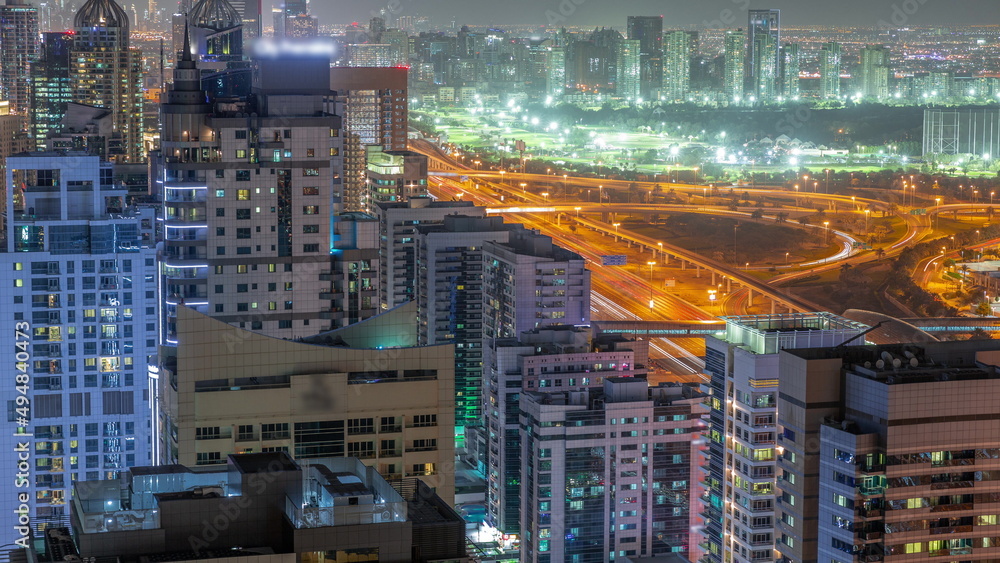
(607,473)
(80,311)
(741,505)
(251,204)
(549,359)
(890,453)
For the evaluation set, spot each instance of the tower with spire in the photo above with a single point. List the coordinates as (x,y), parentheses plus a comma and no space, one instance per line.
(106,72)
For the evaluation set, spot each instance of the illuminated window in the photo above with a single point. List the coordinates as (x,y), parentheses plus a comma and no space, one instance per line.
(241,153)
(243,195)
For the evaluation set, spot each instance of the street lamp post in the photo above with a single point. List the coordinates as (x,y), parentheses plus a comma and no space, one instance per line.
(786,259)
(616,230)
(868,212)
(564,184)
(735,255)
(577,211)
(651,302)
(661,249)
(937,201)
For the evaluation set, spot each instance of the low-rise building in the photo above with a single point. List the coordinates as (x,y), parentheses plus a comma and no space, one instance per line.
(229,390)
(260,508)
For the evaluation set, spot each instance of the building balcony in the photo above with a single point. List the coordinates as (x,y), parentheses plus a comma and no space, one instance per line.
(332,314)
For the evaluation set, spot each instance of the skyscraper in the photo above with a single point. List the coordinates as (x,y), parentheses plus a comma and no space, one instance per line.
(81,306)
(648,30)
(250,206)
(373,104)
(51,90)
(829,71)
(874,72)
(18,49)
(250,14)
(790,71)
(735,54)
(765,85)
(761,72)
(741,502)
(555,70)
(676,65)
(628,83)
(106,72)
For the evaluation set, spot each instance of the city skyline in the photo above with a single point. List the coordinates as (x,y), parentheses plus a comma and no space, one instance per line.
(724,13)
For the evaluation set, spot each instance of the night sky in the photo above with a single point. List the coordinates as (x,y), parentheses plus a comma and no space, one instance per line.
(705,13)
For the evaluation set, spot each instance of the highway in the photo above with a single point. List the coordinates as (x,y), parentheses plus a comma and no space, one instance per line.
(621,294)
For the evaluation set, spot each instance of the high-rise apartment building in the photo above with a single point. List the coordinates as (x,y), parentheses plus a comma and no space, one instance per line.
(555,70)
(13,140)
(106,72)
(648,30)
(740,507)
(373,105)
(550,359)
(627,66)
(676,65)
(450,293)
(398,222)
(766,84)
(250,206)
(874,72)
(888,453)
(530,283)
(790,88)
(18,49)
(829,71)
(609,473)
(81,308)
(763,39)
(229,391)
(395,175)
(51,90)
(734,61)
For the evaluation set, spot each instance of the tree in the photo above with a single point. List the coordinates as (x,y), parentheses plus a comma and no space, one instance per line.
(983,309)
(757,213)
